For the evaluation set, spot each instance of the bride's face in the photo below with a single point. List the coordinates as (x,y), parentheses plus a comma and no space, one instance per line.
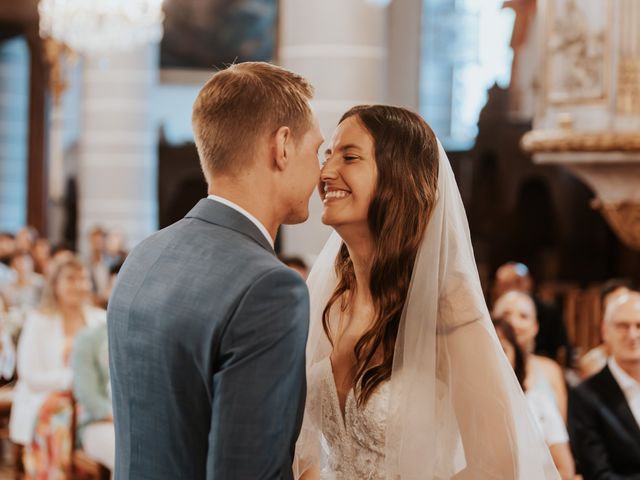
(349,175)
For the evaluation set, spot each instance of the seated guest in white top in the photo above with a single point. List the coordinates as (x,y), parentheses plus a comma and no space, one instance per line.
(544,374)
(541,404)
(46,340)
(604,411)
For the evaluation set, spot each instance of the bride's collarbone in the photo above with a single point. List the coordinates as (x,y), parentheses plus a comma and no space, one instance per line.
(343,367)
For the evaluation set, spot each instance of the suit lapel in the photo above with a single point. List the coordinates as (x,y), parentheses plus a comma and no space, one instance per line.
(219,214)
(614,396)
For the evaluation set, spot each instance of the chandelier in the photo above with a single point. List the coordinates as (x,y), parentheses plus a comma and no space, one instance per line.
(98,25)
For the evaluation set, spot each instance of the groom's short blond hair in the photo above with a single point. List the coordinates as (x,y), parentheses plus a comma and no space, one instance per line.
(240,104)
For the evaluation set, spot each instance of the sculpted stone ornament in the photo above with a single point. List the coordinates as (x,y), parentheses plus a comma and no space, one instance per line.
(624,219)
(588,118)
(538,141)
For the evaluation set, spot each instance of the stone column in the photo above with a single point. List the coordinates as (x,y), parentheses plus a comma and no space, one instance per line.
(405,48)
(340,46)
(14,125)
(118,146)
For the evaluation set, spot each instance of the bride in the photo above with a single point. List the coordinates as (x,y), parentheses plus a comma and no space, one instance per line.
(406,377)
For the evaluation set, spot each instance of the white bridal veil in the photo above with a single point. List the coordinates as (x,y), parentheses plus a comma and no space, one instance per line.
(456,408)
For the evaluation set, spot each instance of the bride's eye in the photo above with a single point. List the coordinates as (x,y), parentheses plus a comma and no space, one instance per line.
(349,158)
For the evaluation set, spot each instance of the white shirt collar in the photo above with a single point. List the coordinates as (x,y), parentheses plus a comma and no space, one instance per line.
(241,210)
(626,382)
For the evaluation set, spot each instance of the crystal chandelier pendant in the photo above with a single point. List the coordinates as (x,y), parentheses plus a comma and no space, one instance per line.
(94,26)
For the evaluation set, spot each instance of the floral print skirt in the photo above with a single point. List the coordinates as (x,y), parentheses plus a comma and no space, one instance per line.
(48,456)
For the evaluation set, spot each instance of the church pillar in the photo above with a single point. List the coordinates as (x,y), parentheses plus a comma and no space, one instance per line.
(118,146)
(341,47)
(14,125)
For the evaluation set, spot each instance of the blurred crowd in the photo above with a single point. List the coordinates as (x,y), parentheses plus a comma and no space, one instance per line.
(54,359)
(587,404)
(54,355)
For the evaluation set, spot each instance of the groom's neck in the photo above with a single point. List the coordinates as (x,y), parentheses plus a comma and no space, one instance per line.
(249,197)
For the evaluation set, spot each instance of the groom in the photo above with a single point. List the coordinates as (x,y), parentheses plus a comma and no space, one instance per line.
(207,329)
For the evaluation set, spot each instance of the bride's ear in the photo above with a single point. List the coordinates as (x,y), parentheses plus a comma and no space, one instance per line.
(283,143)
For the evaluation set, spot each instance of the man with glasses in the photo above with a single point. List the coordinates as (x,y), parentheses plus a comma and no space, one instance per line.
(604,411)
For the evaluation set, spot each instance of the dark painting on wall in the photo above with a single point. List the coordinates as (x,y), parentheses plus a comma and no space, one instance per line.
(206,34)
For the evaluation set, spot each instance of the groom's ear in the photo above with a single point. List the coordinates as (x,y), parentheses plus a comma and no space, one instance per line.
(283,143)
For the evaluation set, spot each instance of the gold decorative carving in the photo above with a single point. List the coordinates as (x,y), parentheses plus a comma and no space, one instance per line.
(629,86)
(541,141)
(624,219)
(577,48)
(60,57)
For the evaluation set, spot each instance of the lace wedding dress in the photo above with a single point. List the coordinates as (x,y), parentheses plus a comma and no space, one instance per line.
(355,441)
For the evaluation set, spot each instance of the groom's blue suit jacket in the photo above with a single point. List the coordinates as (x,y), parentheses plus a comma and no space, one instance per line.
(207,332)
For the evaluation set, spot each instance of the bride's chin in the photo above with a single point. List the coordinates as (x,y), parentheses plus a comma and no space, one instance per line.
(334,219)
(325,218)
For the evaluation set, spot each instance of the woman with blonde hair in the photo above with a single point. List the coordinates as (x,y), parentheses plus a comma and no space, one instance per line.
(44,373)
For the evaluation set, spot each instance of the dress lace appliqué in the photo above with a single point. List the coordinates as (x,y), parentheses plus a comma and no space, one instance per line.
(354,445)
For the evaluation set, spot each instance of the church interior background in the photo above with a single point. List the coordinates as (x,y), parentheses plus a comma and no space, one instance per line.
(537,103)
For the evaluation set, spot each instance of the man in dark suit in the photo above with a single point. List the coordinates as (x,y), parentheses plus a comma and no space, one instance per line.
(604,411)
(207,329)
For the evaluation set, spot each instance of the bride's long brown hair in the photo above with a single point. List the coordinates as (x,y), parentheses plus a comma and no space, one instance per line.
(406,155)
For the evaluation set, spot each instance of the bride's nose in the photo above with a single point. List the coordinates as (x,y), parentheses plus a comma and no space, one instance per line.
(328,171)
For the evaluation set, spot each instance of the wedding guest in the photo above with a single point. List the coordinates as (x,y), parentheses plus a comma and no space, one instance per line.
(114,248)
(298,264)
(543,374)
(551,340)
(90,363)
(41,254)
(97,262)
(26,290)
(604,410)
(543,407)
(62,250)
(25,239)
(7,348)
(113,275)
(43,360)
(595,359)
(91,387)
(7,249)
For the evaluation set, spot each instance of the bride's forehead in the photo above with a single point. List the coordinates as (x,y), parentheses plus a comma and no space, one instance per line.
(351,133)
